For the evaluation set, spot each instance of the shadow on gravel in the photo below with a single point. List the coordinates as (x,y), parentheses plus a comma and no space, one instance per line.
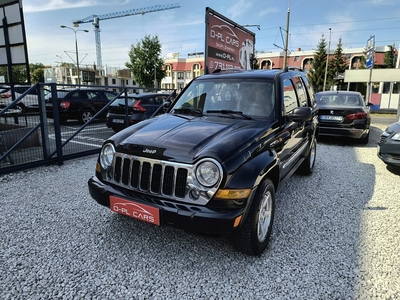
(393,169)
(320,217)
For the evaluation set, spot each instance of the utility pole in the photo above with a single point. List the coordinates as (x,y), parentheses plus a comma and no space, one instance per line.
(287,38)
(327,57)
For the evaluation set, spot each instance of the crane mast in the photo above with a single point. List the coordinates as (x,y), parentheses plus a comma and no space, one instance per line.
(95,20)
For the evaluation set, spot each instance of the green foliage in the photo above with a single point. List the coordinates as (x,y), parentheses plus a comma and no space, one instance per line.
(19,74)
(316,75)
(338,64)
(389,60)
(145,62)
(37,72)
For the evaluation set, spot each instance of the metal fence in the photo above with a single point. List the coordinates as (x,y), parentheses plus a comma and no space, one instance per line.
(30,138)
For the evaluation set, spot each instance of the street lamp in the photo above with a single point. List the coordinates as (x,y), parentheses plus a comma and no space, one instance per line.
(327,56)
(258,26)
(76,49)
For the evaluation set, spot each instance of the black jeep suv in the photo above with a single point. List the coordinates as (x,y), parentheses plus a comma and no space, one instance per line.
(212,163)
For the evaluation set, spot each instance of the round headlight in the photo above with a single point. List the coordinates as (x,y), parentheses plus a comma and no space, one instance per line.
(107,156)
(208,173)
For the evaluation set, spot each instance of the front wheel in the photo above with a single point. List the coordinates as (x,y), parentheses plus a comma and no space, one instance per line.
(253,237)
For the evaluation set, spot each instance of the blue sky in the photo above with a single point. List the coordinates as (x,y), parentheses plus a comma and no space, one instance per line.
(183,29)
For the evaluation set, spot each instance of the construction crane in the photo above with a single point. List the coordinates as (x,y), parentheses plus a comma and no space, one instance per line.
(95,20)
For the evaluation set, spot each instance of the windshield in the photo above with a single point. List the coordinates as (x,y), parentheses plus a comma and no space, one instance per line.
(254,98)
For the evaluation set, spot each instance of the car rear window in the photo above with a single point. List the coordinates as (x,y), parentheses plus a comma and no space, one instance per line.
(340,100)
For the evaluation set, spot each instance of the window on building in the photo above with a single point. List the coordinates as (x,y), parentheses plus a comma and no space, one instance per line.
(180,75)
(296,58)
(387,86)
(113,81)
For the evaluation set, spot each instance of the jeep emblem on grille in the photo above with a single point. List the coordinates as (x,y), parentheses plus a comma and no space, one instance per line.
(149,151)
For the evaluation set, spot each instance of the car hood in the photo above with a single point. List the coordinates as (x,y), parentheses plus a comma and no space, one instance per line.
(395,127)
(185,138)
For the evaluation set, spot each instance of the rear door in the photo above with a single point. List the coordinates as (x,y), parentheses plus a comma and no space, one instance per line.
(294,134)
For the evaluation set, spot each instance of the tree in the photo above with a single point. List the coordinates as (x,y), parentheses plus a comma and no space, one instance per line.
(389,60)
(37,72)
(19,74)
(145,62)
(338,64)
(316,75)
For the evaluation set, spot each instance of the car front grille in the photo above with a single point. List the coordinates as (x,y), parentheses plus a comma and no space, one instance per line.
(382,139)
(151,176)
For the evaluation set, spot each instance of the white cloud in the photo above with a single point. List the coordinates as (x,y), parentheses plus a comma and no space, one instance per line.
(32,6)
(240,7)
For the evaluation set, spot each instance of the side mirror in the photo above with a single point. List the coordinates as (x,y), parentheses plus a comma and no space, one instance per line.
(301,114)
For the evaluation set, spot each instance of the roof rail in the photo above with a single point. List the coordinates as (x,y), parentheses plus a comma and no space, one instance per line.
(292,68)
(226,70)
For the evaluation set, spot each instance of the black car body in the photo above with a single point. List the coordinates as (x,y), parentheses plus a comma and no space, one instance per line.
(80,104)
(389,145)
(343,114)
(213,162)
(133,108)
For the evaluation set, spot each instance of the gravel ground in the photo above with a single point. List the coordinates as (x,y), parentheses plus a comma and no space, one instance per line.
(336,236)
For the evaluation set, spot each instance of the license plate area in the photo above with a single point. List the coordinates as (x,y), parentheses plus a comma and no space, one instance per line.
(119,121)
(331,118)
(135,210)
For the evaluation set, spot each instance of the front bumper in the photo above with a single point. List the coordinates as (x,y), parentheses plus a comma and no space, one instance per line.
(188,217)
(389,154)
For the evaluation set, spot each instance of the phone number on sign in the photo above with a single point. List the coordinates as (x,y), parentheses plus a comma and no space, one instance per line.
(220,65)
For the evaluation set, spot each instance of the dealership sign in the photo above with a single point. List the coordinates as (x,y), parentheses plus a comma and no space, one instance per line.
(228,45)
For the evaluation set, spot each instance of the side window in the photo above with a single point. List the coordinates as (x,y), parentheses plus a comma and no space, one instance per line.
(159,99)
(289,96)
(76,95)
(149,100)
(110,95)
(310,91)
(301,91)
(94,95)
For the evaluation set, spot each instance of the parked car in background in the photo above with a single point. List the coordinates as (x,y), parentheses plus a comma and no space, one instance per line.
(389,145)
(29,101)
(81,104)
(343,114)
(140,107)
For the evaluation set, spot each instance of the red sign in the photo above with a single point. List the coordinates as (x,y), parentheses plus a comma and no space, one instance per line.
(228,45)
(135,210)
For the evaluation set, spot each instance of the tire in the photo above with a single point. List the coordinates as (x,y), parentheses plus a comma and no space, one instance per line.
(85,116)
(307,166)
(253,237)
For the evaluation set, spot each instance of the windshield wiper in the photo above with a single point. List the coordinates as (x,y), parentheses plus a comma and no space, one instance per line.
(230,112)
(189,111)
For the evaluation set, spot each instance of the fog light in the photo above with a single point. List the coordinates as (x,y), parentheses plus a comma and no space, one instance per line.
(194,194)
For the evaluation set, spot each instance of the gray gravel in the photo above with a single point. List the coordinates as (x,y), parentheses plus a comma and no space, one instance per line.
(336,236)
